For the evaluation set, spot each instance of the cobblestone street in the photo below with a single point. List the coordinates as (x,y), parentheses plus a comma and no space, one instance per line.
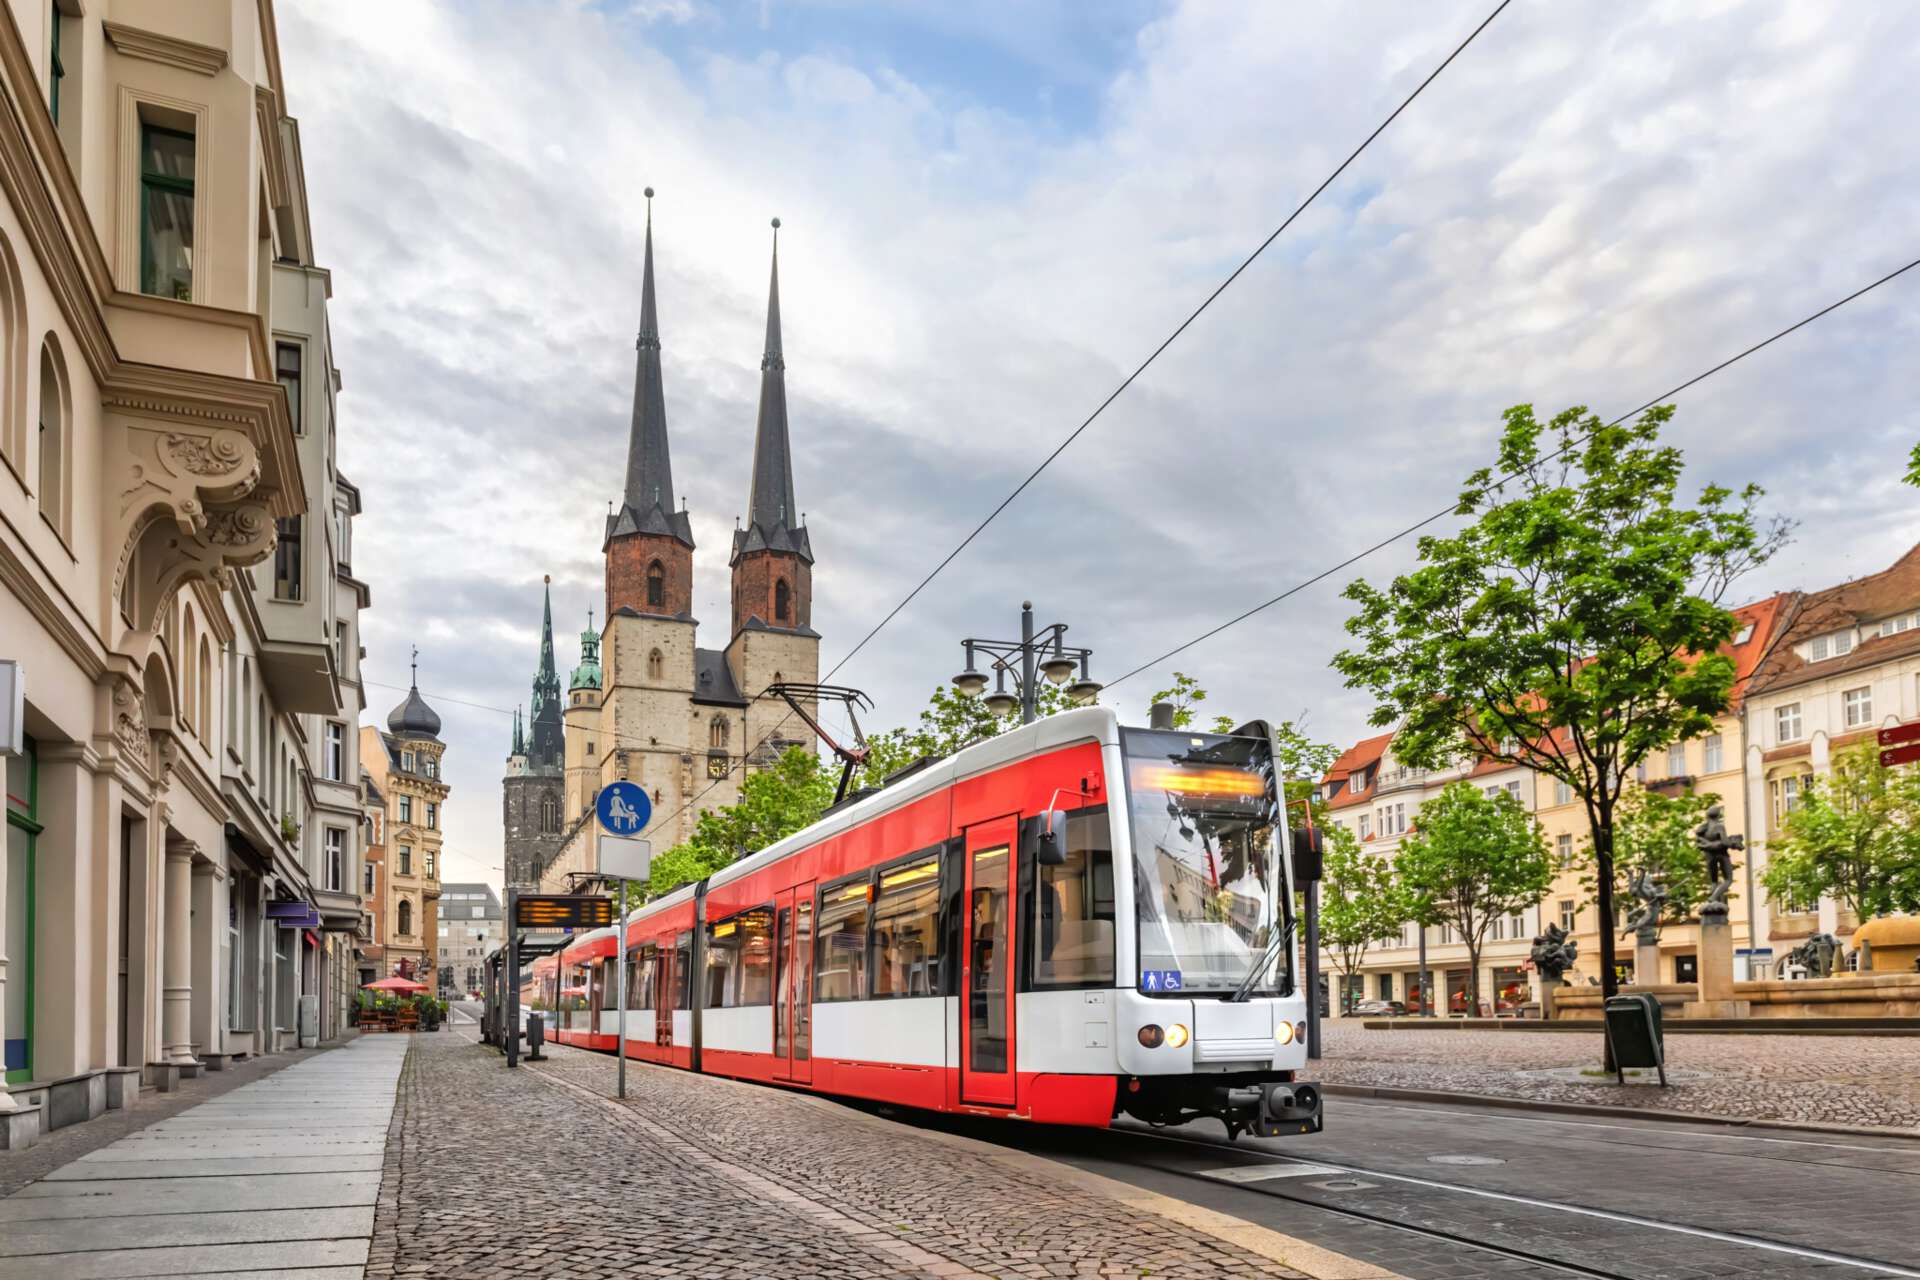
(1847,1080)
(535,1172)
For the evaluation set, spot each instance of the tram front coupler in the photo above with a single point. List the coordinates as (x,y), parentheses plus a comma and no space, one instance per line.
(1275,1110)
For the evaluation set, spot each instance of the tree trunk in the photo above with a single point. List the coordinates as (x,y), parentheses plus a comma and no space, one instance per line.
(1473,978)
(1603,876)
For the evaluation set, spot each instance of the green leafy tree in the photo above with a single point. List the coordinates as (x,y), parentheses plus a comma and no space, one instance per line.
(774,803)
(1913,467)
(1360,903)
(1471,859)
(1855,836)
(1573,625)
(1653,832)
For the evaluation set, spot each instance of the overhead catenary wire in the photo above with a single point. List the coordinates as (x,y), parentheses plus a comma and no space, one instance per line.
(1454,506)
(1170,339)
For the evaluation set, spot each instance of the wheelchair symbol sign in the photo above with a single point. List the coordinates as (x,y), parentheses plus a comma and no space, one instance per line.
(623,809)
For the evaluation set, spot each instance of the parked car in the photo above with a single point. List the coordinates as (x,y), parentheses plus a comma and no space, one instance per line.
(1379,1009)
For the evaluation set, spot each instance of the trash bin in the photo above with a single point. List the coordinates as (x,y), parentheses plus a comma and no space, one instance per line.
(1635,1036)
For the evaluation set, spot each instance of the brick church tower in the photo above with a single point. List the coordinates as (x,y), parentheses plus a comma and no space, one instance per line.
(647,704)
(773,638)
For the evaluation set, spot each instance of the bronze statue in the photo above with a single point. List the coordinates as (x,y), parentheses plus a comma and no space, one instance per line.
(1554,953)
(1652,897)
(1816,955)
(1711,838)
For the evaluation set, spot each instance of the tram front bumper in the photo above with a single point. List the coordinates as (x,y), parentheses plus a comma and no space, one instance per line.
(1279,1109)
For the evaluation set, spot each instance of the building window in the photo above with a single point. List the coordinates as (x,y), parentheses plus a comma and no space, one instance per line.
(430,865)
(656,585)
(1567,914)
(286,364)
(366,880)
(336,859)
(56,69)
(1856,706)
(406,918)
(433,816)
(1842,643)
(549,815)
(1513,788)
(717,733)
(53,440)
(1713,763)
(406,762)
(1786,723)
(340,647)
(166,212)
(333,756)
(406,860)
(406,808)
(1563,851)
(286,559)
(1366,828)
(1677,760)
(656,665)
(780,603)
(431,766)
(1787,791)
(1562,792)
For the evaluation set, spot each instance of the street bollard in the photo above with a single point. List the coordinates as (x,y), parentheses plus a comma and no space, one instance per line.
(536,1036)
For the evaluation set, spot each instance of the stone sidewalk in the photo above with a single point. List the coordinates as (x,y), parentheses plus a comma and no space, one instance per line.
(276,1178)
(1828,1080)
(537,1172)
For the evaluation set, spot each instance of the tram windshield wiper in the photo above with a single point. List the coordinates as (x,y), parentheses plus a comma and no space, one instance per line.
(1282,938)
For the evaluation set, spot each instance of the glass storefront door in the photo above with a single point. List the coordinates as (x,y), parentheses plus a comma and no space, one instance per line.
(16,926)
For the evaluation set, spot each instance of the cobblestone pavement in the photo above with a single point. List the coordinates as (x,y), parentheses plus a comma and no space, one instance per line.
(491,1172)
(1847,1080)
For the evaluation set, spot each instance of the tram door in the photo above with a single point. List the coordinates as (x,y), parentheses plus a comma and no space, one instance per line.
(986,965)
(663,994)
(793,984)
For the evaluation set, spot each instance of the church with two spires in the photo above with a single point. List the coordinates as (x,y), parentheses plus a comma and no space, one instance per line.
(646,703)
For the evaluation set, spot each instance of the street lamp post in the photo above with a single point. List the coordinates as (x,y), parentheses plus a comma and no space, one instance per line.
(1034,656)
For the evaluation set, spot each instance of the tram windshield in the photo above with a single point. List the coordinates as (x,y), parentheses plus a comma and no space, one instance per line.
(1210,890)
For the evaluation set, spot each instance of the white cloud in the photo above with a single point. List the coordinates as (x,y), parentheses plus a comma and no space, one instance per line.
(1589,206)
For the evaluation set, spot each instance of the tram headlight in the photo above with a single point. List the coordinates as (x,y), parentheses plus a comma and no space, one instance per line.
(1283,1034)
(1176,1036)
(1151,1036)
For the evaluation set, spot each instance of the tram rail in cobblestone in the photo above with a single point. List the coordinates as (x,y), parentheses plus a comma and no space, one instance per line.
(1244,1153)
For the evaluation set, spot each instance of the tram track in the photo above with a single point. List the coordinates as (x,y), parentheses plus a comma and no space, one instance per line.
(1240,1155)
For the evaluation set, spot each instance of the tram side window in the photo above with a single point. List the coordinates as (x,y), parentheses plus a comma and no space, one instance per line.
(740,960)
(906,930)
(640,964)
(683,971)
(1073,908)
(840,943)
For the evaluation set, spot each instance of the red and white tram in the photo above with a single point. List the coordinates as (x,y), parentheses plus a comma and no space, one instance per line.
(1064,923)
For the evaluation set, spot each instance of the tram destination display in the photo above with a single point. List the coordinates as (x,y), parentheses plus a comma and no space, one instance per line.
(563,911)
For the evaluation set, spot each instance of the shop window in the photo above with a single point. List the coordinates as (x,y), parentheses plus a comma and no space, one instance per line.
(1073,908)
(21,776)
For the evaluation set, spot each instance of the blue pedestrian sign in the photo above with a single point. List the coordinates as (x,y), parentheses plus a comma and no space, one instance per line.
(1160,980)
(623,808)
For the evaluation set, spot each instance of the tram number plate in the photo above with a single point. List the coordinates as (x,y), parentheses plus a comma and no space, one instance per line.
(1160,980)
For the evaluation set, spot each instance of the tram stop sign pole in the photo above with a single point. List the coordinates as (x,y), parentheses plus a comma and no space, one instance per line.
(622,809)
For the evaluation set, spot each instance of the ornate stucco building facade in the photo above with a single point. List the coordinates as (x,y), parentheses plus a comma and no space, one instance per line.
(647,703)
(406,767)
(183,840)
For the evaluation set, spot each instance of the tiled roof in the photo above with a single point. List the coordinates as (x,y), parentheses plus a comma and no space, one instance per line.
(1864,601)
(1361,755)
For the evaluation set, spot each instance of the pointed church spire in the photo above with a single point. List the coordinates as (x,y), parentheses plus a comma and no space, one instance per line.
(773,521)
(647,500)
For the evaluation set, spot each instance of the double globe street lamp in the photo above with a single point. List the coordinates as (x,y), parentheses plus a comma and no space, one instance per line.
(1027,660)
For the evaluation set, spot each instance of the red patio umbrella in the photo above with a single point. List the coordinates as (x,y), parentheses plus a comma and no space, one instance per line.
(405,986)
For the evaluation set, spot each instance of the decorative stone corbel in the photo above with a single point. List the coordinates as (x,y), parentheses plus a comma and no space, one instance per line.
(130,724)
(184,508)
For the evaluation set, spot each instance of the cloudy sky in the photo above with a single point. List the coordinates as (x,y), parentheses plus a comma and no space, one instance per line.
(991,212)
